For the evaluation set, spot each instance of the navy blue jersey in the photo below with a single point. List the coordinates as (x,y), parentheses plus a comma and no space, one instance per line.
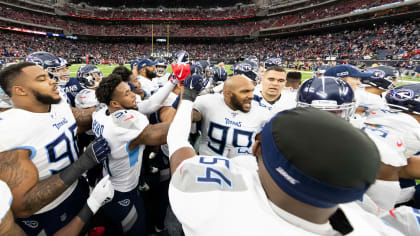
(72,88)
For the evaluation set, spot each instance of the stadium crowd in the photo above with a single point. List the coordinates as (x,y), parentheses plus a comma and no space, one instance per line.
(206,29)
(130,137)
(386,41)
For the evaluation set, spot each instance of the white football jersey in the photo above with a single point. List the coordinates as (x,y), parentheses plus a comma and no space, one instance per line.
(148,86)
(6,199)
(390,144)
(161,81)
(86,98)
(220,196)
(119,129)
(404,125)
(49,136)
(286,101)
(226,132)
(369,100)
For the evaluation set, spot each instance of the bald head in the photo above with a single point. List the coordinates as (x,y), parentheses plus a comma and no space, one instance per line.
(235,82)
(238,93)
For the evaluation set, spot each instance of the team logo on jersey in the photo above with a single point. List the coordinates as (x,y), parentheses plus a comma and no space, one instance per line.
(234,114)
(399,143)
(124,202)
(403,94)
(31,223)
(129,118)
(63,217)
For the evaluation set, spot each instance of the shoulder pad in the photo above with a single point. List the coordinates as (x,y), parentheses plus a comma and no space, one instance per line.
(86,98)
(128,119)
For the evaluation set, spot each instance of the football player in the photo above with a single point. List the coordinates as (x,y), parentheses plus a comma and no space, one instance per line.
(161,71)
(294,80)
(127,132)
(101,193)
(89,77)
(285,189)
(230,120)
(57,69)
(44,168)
(397,137)
(271,93)
(365,99)
(146,71)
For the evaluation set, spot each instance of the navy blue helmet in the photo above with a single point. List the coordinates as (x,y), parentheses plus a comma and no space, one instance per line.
(161,65)
(89,76)
(405,98)
(48,62)
(382,78)
(270,62)
(253,58)
(181,57)
(327,93)
(245,69)
(219,74)
(196,69)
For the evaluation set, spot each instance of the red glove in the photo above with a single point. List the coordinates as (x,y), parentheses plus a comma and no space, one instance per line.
(181,71)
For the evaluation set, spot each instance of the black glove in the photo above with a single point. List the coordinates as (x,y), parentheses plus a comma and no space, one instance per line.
(192,87)
(97,152)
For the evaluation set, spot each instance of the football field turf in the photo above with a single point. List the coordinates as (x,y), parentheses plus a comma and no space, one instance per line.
(107,69)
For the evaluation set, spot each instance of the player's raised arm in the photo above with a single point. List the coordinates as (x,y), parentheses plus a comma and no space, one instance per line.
(30,193)
(179,147)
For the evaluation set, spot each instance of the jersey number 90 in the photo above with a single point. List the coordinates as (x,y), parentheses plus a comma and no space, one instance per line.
(218,135)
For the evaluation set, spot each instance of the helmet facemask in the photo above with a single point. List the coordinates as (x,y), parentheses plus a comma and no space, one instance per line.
(345,110)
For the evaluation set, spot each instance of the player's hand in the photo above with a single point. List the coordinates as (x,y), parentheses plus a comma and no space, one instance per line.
(181,71)
(173,79)
(192,87)
(135,70)
(99,149)
(101,194)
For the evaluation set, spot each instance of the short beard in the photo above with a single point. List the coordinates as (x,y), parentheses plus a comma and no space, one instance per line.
(150,74)
(236,104)
(47,100)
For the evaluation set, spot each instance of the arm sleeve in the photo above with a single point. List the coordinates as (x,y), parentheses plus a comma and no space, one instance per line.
(200,104)
(180,128)
(155,101)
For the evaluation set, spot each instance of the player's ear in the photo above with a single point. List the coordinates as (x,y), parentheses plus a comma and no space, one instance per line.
(19,90)
(114,104)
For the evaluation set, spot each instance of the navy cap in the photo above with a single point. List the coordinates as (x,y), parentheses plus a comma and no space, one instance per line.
(346,70)
(145,62)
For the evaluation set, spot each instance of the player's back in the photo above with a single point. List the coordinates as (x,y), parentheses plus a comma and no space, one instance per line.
(219,196)
(49,137)
(226,132)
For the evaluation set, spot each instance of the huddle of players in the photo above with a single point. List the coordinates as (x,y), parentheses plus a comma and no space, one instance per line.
(235,121)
